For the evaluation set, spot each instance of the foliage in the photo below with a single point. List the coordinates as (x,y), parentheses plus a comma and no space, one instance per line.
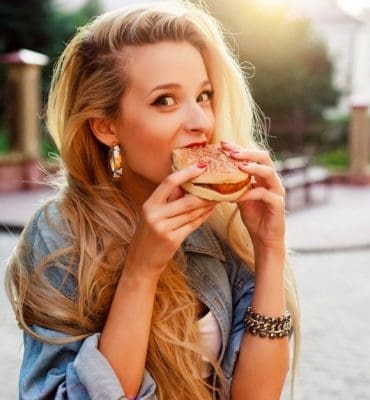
(292,66)
(336,159)
(26,25)
(289,69)
(287,66)
(41,26)
(336,132)
(4,144)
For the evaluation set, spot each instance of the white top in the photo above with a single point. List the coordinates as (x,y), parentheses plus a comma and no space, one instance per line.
(210,340)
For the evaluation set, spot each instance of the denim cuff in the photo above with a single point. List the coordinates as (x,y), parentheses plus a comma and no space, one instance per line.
(99,378)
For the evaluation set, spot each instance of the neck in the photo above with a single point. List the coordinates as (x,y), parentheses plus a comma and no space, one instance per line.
(137,187)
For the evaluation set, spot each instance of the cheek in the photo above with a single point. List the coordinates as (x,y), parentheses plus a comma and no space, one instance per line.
(151,129)
(149,142)
(148,152)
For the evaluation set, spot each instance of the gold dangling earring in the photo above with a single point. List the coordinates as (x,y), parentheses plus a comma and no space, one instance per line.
(115,162)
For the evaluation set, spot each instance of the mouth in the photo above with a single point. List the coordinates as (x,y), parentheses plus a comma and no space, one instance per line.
(195,144)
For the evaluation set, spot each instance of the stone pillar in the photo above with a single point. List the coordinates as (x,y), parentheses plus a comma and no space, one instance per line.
(23,98)
(359,141)
(360,100)
(19,169)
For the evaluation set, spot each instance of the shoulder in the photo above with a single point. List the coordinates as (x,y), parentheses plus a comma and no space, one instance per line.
(45,231)
(46,219)
(45,248)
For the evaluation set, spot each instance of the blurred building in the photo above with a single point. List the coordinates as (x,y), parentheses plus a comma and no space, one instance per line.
(348,41)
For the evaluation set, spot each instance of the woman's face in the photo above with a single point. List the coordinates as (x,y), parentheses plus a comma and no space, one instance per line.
(167,106)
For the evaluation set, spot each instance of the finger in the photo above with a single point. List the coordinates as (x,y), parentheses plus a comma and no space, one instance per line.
(267,174)
(162,212)
(184,205)
(167,186)
(179,220)
(190,226)
(251,155)
(262,194)
(230,145)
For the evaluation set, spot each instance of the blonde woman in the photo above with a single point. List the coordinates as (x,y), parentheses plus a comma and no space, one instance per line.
(125,286)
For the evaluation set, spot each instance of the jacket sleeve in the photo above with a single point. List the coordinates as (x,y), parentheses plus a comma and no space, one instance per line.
(242,286)
(72,371)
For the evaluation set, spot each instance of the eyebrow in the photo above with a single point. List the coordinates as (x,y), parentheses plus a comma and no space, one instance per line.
(175,85)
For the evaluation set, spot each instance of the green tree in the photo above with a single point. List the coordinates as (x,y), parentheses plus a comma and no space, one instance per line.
(289,68)
(40,26)
(26,25)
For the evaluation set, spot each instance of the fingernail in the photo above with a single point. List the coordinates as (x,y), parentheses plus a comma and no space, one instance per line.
(235,151)
(202,165)
(224,141)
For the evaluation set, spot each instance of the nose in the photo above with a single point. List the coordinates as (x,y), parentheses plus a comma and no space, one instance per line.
(199,119)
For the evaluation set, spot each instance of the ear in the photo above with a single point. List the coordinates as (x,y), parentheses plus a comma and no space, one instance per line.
(104,131)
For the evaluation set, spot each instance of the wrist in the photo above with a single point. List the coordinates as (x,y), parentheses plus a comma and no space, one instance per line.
(274,248)
(138,270)
(137,275)
(270,256)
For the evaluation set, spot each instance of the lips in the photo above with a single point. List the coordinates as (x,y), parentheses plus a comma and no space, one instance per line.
(195,144)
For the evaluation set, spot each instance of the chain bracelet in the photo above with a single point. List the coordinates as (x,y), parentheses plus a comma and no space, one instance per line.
(258,324)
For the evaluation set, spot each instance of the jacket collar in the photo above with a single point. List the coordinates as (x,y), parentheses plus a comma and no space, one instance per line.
(204,241)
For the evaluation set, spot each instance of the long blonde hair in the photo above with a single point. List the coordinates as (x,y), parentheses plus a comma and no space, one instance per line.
(89,81)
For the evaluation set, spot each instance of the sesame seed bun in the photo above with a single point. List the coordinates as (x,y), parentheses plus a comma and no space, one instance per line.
(222,180)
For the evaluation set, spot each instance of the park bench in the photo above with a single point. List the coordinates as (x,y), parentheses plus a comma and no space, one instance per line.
(298,173)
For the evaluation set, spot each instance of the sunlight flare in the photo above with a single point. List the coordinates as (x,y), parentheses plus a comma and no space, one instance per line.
(354,8)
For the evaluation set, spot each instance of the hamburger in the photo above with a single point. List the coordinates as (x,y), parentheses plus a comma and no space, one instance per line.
(221,181)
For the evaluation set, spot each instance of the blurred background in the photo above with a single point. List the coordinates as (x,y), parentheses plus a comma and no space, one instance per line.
(308,66)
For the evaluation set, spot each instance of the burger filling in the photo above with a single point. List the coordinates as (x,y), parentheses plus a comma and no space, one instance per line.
(225,188)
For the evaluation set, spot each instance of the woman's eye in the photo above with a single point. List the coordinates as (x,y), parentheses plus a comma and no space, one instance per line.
(206,95)
(167,100)
(164,100)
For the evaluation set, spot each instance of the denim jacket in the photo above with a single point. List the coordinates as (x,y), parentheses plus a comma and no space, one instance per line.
(78,371)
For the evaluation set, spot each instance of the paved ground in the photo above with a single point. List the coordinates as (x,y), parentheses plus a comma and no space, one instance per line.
(341,222)
(11,339)
(335,299)
(332,264)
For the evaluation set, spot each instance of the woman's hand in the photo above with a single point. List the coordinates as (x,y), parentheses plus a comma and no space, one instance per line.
(168,217)
(262,207)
